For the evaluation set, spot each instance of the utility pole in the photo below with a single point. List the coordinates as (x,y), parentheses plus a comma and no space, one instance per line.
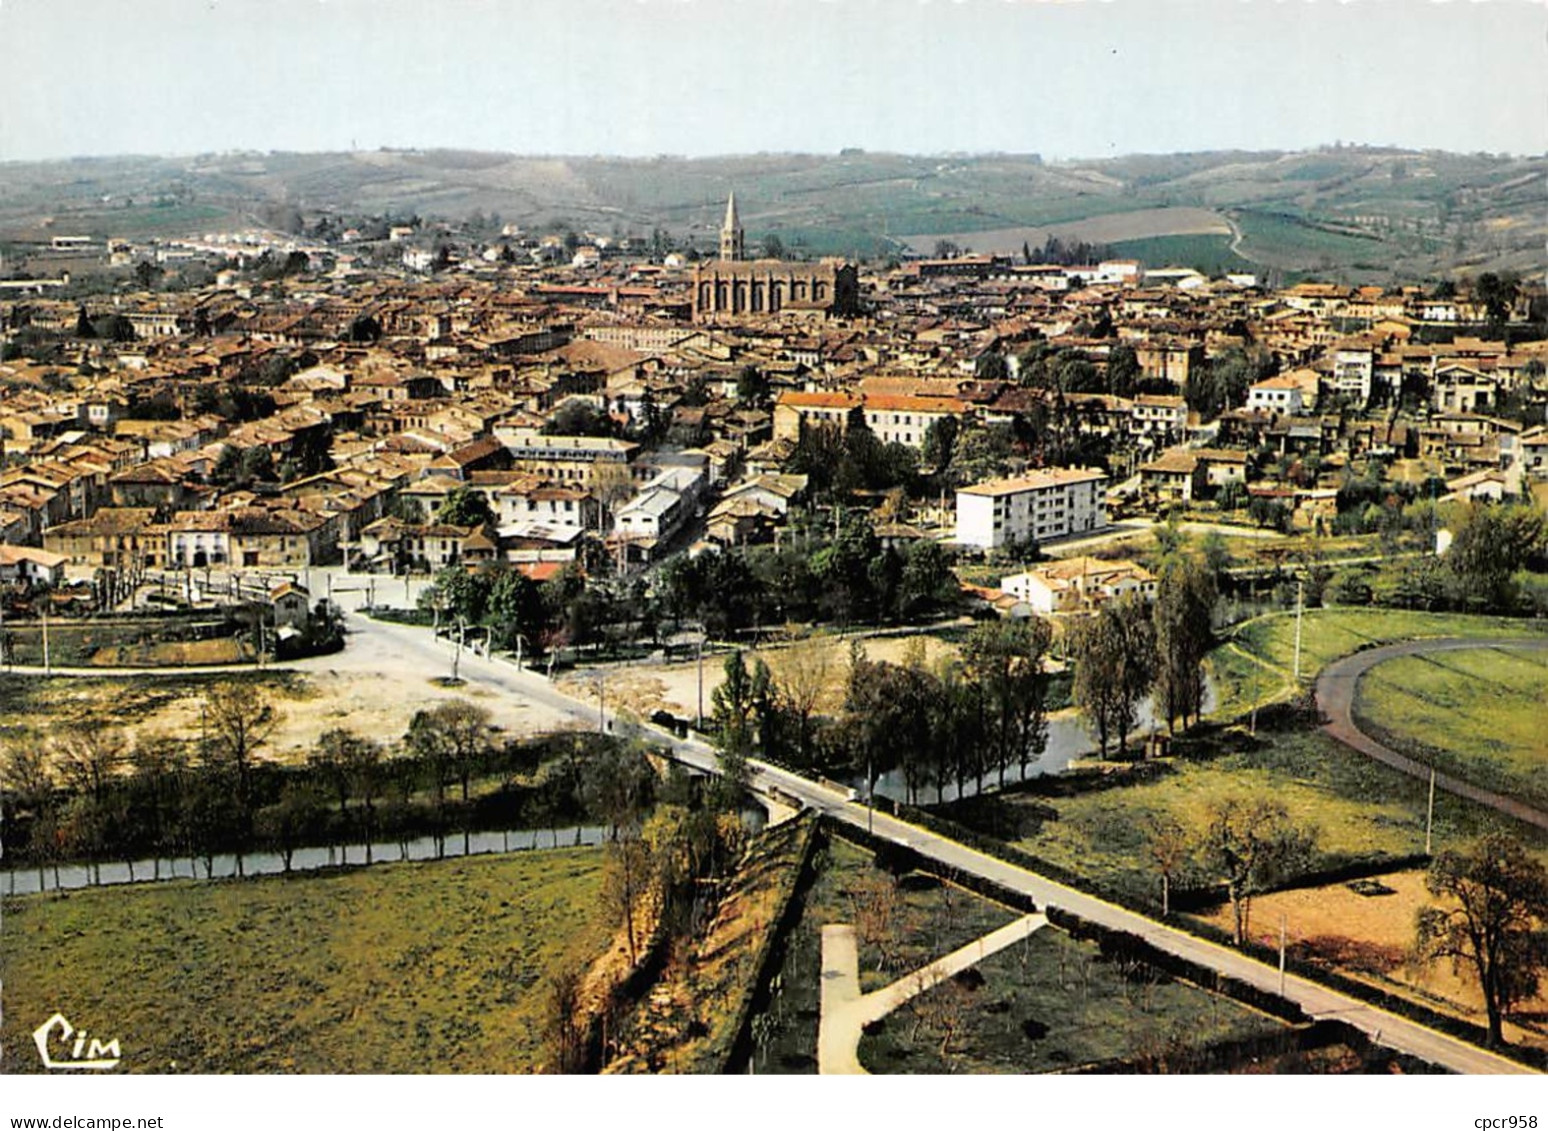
(1429,818)
(699,725)
(1300,593)
(1281,954)
(47,666)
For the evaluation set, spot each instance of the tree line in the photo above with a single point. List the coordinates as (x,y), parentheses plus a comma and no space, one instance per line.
(95,795)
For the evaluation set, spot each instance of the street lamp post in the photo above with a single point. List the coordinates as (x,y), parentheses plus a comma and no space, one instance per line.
(870,796)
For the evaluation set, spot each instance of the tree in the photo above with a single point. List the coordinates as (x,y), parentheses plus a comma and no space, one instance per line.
(1494,920)
(612,485)
(27,777)
(805,674)
(991,366)
(1249,844)
(564,1023)
(940,442)
(773,246)
(1114,667)
(1005,660)
(1123,371)
(579,418)
(926,582)
(1490,544)
(752,387)
(238,722)
(286,824)
(449,738)
(1183,619)
(463,506)
(1169,848)
(89,760)
(1498,293)
(618,789)
(733,704)
(406,508)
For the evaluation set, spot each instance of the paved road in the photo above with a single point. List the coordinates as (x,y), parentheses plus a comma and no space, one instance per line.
(416,647)
(1338,684)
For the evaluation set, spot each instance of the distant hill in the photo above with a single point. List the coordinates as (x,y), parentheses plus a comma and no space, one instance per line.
(1359,214)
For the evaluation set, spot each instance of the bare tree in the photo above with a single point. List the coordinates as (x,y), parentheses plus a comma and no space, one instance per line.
(89,758)
(239,721)
(564,1023)
(1249,844)
(1169,848)
(28,781)
(877,906)
(805,676)
(941,1005)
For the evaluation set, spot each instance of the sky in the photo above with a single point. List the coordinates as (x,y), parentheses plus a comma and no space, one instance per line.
(1063,78)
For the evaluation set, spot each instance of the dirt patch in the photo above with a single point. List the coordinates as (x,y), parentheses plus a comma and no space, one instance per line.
(225,650)
(1116,227)
(646,688)
(377,704)
(1370,937)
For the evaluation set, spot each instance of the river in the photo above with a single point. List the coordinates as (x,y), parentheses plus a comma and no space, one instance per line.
(24,881)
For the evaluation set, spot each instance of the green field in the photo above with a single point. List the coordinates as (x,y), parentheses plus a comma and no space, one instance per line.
(1210,254)
(1362,811)
(422,967)
(1478,714)
(1286,240)
(1256,660)
(1051,1003)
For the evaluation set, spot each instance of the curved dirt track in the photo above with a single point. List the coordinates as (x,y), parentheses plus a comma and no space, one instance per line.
(1338,683)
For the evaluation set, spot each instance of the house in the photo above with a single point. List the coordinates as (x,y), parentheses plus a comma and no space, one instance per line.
(531,499)
(248,538)
(1036,507)
(1176,475)
(1155,415)
(1082,583)
(573,460)
(120,538)
(423,546)
(26,565)
(794,410)
(1463,388)
(898,419)
(1533,446)
(290,603)
(1354,367)
(1288,394)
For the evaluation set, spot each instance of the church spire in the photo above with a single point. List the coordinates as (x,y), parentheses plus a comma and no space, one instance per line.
(731,241)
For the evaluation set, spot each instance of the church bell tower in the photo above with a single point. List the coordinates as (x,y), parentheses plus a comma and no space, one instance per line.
(731,244)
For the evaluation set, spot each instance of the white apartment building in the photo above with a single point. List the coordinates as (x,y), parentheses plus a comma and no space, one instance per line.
(898,419)
(1040,505)
(1276,394)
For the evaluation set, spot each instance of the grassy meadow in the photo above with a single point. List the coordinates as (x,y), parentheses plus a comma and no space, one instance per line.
(1256,661)
(1478,714)
(419,967)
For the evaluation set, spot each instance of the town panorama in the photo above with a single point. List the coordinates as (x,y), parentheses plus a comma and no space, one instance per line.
(453,643)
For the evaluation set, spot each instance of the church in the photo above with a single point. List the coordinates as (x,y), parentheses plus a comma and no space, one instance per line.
(733,286)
